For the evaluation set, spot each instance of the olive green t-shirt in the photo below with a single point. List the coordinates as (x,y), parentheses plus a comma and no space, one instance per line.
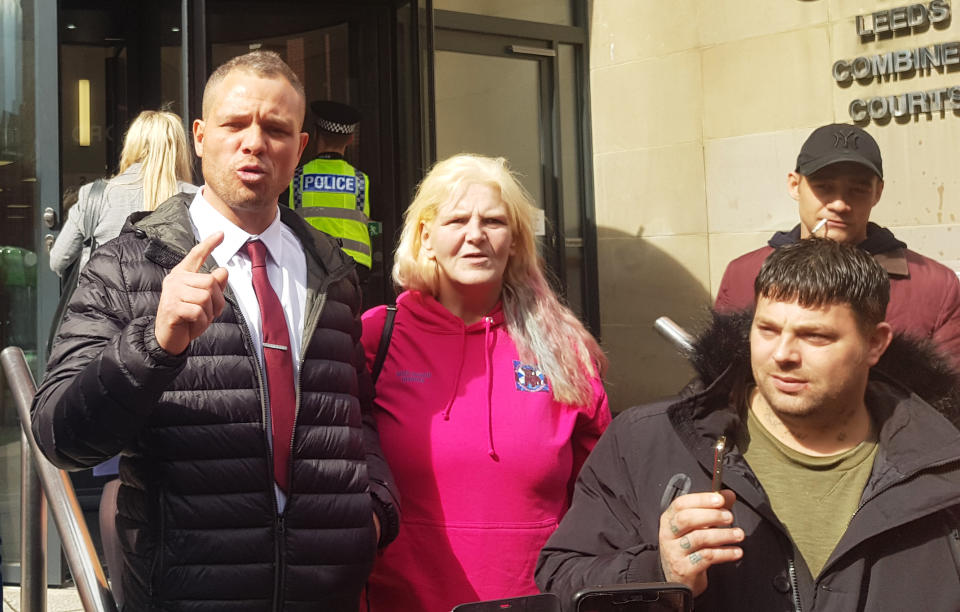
(814,497)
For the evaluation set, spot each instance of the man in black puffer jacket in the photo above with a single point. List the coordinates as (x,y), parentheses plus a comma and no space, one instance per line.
(160,357)
(841,487)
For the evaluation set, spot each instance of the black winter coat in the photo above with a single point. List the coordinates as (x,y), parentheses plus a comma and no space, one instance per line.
(901,550)
(197,517)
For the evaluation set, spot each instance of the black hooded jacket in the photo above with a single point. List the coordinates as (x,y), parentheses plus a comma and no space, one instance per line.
(901,550)
(197,517)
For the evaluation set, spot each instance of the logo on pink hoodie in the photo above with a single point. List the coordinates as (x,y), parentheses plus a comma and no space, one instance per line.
(529,377)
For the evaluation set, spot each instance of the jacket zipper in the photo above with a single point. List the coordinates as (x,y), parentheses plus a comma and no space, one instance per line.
(278,568)
(794,587)
(264,406)
(159,564)
(954,538)
(308,330)
(262,384)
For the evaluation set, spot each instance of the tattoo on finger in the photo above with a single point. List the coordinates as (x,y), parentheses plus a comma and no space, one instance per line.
(695,558)
(674,528)
(685,543)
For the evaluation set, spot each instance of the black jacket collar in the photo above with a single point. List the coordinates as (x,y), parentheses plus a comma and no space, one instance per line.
(171,235)
(890,252)
(879,239)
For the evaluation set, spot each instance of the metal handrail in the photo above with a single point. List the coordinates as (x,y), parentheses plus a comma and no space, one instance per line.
(95,594)
(675,334)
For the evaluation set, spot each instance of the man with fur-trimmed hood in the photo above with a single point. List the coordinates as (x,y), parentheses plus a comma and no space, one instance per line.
(841,488)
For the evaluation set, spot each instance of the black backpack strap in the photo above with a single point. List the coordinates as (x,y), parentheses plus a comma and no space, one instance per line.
(95,197)
(384,342)
(71,277)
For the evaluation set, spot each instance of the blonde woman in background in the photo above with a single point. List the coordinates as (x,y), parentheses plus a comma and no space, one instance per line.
(154,165)
(489,398)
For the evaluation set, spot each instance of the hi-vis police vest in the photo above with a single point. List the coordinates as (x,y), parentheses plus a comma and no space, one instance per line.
(334,197)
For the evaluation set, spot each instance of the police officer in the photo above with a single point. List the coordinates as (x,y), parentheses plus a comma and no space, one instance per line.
(328,192)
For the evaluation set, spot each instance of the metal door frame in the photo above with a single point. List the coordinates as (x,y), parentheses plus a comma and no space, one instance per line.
(501,37)
(46,53)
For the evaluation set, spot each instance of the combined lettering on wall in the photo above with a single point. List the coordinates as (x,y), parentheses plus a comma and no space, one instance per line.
(902,63)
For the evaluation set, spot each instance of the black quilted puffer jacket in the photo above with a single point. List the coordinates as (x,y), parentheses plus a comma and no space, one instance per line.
(197,518)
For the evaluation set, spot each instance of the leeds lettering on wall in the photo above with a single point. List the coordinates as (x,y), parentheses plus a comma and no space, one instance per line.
(913,17)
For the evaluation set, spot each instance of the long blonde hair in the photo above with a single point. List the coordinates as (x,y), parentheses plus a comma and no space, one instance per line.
(157,141)
(542,327)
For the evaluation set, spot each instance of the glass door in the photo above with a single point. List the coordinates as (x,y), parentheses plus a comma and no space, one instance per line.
(29,185)
(117,58)
(504,87)
(498,105)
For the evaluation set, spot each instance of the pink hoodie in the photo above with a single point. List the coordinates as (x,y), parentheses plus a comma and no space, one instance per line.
(483,457)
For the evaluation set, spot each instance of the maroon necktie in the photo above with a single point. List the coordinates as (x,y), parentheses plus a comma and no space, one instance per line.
(278,361)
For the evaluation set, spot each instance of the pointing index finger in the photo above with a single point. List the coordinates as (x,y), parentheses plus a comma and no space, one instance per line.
(199,253)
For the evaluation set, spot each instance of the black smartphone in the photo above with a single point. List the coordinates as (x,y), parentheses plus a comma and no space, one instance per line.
(546,602)
(635,597)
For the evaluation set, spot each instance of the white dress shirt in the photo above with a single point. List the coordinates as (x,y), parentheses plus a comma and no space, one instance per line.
(286,269)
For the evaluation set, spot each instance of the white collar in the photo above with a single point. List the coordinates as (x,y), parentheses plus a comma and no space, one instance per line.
(207,220)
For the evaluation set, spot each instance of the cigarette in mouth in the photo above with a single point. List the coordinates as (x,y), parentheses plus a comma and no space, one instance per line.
(816,228)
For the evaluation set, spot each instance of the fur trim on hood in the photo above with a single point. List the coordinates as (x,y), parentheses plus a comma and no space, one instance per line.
(722,349)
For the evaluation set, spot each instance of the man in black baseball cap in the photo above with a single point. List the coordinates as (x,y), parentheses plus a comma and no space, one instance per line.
(837,181)
(836,143)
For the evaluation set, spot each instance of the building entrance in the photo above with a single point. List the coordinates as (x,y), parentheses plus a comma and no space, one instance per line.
(76,72)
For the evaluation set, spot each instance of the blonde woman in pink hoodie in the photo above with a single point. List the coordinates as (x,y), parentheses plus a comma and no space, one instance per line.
(489,398)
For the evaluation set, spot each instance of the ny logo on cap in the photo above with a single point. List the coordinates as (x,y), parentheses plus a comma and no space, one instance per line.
(846,140)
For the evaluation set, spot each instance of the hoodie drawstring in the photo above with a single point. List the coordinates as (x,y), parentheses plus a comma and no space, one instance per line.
(487,337)
(456,383)
(488,362)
